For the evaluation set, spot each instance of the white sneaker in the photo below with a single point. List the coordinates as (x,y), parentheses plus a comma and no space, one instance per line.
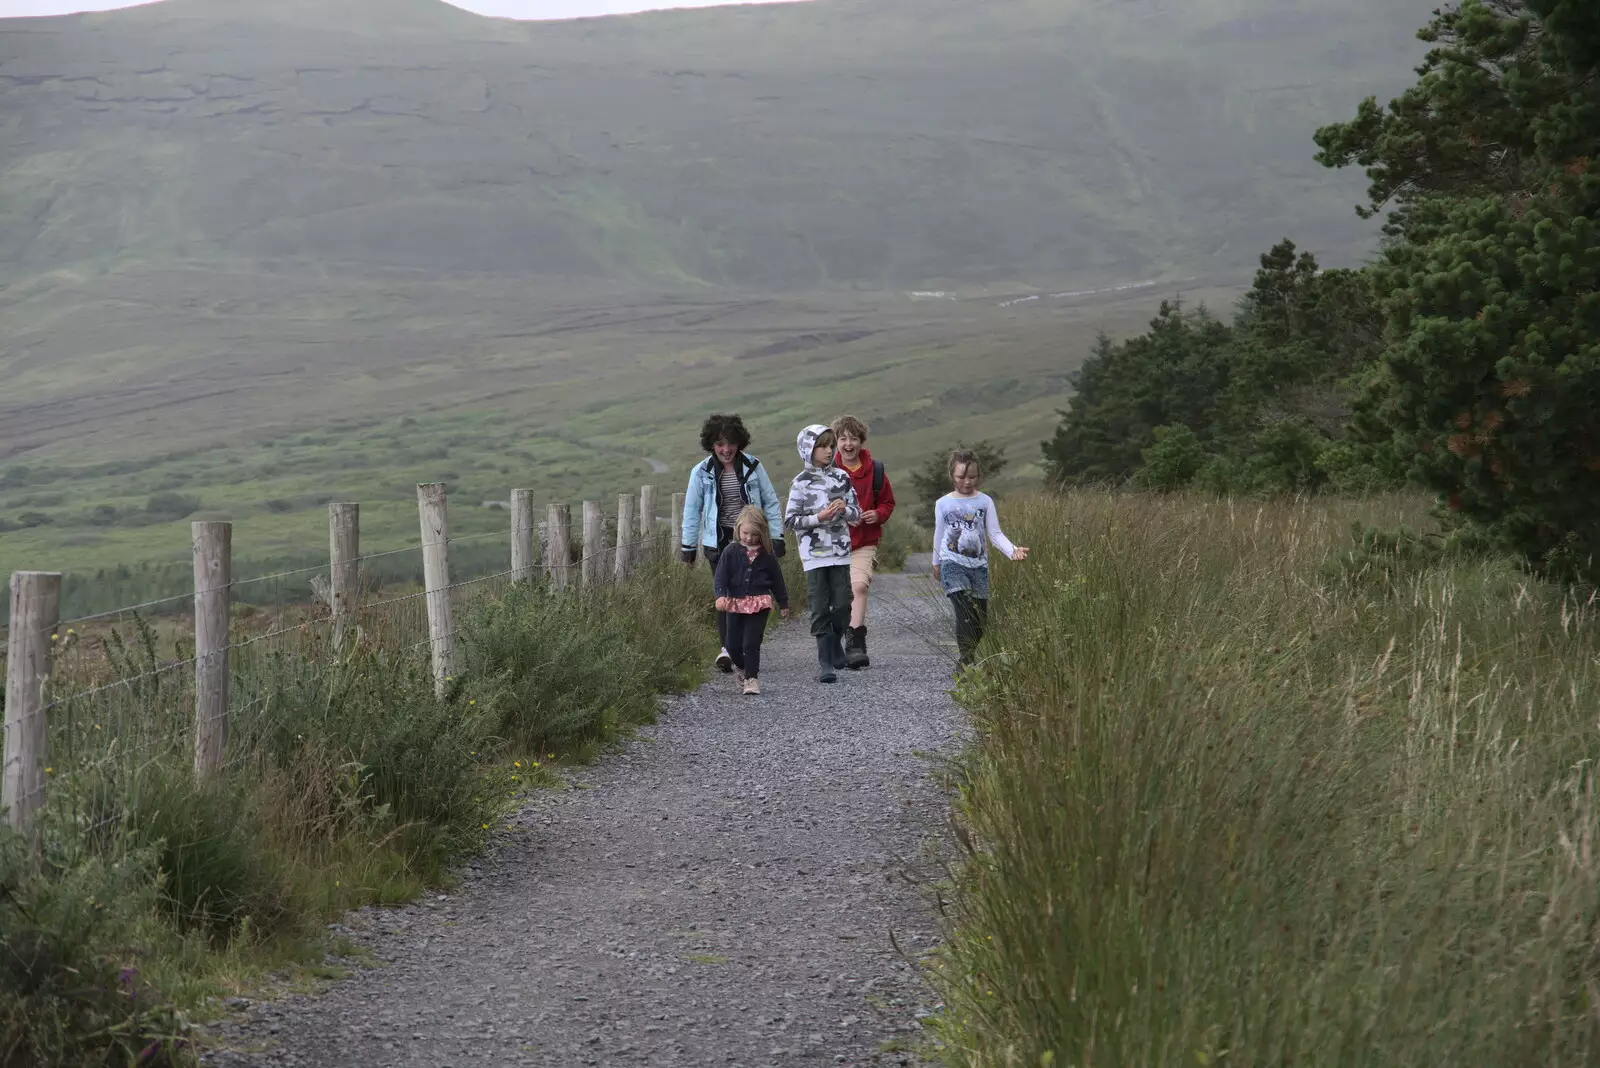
(724,662)
(752,686)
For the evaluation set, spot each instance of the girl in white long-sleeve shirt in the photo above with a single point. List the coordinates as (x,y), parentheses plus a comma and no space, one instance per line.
(964,525)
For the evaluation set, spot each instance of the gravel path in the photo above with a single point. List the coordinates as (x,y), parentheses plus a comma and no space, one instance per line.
(721,891)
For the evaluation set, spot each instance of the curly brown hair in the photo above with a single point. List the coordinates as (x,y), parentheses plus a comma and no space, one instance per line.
(729,428)
(849,424)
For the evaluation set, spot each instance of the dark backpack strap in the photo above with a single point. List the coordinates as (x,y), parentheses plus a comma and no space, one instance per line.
(877,481)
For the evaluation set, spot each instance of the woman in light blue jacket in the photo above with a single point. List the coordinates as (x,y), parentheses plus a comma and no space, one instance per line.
(719,486)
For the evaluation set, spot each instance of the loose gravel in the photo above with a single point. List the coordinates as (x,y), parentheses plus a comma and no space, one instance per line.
(737,886)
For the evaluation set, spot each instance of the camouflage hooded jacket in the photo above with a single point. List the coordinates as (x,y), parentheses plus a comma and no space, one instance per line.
(821,544)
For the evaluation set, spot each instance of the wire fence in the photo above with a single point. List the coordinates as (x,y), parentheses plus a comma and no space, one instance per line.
(122,712)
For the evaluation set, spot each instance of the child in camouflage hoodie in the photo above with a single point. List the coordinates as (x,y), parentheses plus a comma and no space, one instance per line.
(822,506)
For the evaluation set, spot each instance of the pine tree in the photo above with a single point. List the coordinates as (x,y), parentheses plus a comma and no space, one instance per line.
(1491,377)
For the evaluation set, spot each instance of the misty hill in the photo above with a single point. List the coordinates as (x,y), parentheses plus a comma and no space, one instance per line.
(870,143)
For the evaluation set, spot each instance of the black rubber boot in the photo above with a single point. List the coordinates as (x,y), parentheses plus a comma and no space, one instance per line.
(839,659)
(826,644)
(855,648)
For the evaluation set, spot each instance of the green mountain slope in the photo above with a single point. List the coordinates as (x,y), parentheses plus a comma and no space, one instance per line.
(864,143)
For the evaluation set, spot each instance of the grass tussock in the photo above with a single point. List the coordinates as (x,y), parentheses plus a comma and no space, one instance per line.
(143,893)
(555,668)
(1240,797)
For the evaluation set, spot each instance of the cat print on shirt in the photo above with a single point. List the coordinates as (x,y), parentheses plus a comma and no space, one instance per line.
(964,533)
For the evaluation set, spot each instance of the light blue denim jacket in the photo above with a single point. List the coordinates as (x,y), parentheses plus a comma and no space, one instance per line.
(700,501)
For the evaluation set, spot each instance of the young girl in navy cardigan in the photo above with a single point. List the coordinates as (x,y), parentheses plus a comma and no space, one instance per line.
(749,585)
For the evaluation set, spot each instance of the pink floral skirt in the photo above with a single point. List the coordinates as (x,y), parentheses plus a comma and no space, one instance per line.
(747,606)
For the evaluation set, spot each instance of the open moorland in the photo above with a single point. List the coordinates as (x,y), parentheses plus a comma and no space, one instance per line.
(572,401)
(253,258)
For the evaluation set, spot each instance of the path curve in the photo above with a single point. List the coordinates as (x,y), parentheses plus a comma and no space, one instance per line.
(722,892)
(657,467)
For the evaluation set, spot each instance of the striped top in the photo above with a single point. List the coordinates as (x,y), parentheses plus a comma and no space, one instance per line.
(730,497)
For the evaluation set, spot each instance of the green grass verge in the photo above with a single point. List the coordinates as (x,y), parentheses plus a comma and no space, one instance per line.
(1238,800)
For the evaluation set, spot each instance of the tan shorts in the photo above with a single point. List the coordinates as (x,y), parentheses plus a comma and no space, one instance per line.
(862,561)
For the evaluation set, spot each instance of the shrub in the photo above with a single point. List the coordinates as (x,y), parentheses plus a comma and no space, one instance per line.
(1173,461)
(1283,458)
(69,990)
(558,668)
(170,506)
(900,539)
(396,754)
(215,872)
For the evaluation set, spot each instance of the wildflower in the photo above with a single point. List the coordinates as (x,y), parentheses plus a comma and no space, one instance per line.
(472,701)
(516,763)
(485,827)
(54,637)
(49,771)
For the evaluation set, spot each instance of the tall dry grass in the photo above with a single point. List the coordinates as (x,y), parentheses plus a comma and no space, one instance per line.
(1235,801)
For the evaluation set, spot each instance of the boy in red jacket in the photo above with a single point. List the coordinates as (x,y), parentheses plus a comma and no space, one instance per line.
(876,498)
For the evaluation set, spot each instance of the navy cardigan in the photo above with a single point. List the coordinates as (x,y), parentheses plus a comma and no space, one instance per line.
(738,577)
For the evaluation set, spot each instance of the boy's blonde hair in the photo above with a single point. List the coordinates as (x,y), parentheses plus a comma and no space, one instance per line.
(752,516)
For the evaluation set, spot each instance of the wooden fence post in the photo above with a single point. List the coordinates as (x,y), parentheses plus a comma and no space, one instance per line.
(594,543)
(558,535)
(35,613)
(521,535)
(625,535)
(649,547)
(344,568)
(674,533)
(436,580)
(213,594)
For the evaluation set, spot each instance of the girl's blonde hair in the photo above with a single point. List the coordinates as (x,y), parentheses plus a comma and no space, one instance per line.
(752,516)
(965,458)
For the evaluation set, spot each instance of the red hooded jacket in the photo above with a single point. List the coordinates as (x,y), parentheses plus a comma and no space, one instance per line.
(868,534)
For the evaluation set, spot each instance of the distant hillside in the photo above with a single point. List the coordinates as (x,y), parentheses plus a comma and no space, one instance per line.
(860,143)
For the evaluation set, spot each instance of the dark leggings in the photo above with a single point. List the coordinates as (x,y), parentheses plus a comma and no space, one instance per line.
(971,616)
(744,641)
